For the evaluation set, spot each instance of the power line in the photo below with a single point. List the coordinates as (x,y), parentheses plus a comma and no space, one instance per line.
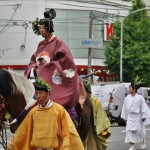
(18,6)
(87,6)
(106,3)
(94,8)
(7,5)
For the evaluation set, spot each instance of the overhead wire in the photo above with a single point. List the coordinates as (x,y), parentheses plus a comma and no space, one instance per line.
(75,20)
(94,8)
(18,5)
(7,5)
(102,2)
(60,22)
(8,27)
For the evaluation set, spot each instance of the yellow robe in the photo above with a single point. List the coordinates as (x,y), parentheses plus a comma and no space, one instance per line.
(46,128)
(101,123)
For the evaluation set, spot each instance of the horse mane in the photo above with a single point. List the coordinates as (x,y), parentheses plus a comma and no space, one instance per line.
(23,85)
(6,84)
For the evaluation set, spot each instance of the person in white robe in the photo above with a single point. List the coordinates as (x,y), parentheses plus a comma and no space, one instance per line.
(136,114)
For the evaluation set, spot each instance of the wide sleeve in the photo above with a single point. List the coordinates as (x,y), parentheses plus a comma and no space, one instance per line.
(101,120)
(32,64)
(144,109)
(101,123)
(124,111)
(63,61)
(22,137)
(68,133)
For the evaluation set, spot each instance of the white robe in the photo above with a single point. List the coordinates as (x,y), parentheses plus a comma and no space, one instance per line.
(134,109)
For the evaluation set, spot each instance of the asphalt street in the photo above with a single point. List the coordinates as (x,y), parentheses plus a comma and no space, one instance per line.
(115,142)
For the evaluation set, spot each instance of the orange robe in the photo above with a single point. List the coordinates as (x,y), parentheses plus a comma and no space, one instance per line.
(46,128)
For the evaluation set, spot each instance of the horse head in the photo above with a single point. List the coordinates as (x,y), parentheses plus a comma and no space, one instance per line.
(16,92)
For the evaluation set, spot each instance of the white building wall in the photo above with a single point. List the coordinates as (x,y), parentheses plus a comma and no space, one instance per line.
(12,36)
(147,2)
(12,33)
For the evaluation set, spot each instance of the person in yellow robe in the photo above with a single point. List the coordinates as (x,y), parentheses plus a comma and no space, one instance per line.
(47,126)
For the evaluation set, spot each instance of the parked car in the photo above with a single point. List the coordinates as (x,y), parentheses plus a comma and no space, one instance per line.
(102,91)
(145,92)
(117,98)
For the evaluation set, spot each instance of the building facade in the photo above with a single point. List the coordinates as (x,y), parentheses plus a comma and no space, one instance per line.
(72,25)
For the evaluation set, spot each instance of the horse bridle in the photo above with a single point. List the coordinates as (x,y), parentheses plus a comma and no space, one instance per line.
(2,107)
(3,133)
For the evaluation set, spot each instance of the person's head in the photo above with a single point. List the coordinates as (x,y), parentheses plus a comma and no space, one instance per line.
(133,88)
(44,26)
(42,91)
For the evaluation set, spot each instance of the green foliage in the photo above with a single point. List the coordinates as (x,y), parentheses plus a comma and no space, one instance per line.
(35,22)
(137,4)
(43,83)
(7,115)
(138,81)
(87,86)
(136,46)
(35,26)
(127,0)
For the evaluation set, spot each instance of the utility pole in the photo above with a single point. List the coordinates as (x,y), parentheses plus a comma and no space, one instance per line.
(90,36)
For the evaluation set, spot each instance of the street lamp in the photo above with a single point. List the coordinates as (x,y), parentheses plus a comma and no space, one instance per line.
(121,41)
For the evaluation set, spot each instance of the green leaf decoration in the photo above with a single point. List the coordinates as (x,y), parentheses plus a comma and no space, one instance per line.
(87,86)
(7,115)
(42,82)
(35,26)
(138,81)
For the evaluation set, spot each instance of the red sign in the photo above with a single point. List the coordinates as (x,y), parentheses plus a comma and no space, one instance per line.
(108,31)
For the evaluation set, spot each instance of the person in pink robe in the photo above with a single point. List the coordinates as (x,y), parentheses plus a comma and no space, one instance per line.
(54,63)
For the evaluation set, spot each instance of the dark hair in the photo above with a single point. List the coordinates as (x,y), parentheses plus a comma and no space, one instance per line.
(47,21)
(48,24)
(134,86)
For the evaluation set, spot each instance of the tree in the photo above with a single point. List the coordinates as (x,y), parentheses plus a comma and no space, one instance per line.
(136,46)
(127,0)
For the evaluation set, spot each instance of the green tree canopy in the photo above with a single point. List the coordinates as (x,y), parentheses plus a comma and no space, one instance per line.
(136,46)
(127,0)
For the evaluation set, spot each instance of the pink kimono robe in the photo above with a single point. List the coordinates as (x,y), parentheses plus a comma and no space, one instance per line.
(54,63)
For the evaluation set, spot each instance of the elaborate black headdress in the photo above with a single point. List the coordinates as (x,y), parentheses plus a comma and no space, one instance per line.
(46,21)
